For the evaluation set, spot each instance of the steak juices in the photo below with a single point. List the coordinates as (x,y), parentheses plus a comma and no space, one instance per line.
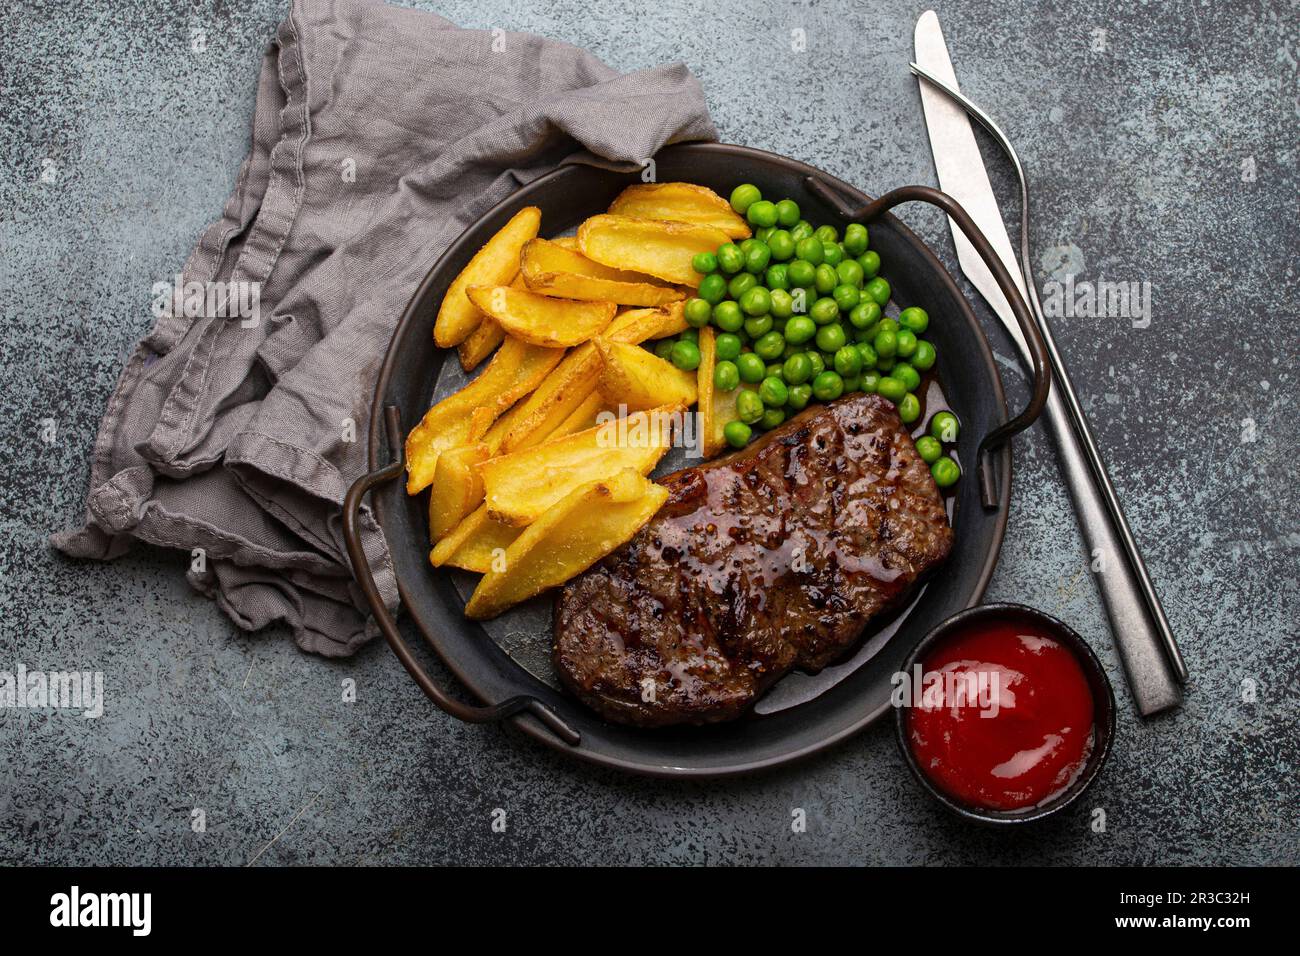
(1005,717)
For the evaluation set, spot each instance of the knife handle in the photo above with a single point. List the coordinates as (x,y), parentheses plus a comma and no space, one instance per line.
(1141,649)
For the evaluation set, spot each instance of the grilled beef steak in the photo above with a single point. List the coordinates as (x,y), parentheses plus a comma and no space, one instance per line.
(772,558)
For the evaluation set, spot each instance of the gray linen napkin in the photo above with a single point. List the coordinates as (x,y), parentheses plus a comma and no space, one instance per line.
(379,134)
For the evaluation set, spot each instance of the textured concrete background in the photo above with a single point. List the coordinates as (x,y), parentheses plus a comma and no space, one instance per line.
(1161,150)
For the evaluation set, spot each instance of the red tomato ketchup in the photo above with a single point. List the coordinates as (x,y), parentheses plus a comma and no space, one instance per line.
(1004,718)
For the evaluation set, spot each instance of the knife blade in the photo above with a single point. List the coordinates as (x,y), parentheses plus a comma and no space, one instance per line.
(1149,653)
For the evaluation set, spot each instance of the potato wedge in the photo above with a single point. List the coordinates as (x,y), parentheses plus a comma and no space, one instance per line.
(515,370)
(634,326)
(542,320)
(704,387)
(552,270)
(497,263)
(565,242)
(680,202)
(655,247)
(521,485)
(639,379)
(483,341)
(723,411)
(475,544)
(583,417)
(457,487)
(572,535)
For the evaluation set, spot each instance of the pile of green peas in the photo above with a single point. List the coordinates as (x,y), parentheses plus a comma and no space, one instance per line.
(798,314)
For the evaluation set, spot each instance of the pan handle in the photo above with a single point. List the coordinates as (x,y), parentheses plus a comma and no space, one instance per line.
(1042,374)
(366,579)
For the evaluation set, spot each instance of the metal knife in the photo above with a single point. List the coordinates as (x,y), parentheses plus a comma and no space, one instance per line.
(1146,646)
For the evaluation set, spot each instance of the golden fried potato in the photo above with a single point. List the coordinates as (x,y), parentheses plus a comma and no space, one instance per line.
(475,543)
(523,484)
(704,386)
(457,487)
(723,411)
(655,247)
(571,536)
(484,340)
(515,370)
(639,379)
(552,270)
(680,202)
(541,320)
(634,326)
(497,263)
(584,416)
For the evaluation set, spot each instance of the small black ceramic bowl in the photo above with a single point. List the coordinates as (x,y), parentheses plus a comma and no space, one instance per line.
(1103,698)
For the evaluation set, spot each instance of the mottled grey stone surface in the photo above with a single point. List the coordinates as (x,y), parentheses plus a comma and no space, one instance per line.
(1169,156)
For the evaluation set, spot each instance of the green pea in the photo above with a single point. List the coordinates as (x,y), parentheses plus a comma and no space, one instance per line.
(847,360)
(690,335)
(749,406)
(909,409)
(870,382)
(885,365)
(945,427)
(712,288)
(825,279)
(887,324)
(772,417)
(761,213)
(756,301)
(870,262)
(846,297)
(850,273)
(945,472)
(787,213)
(891,388)
(737,434)
(757,257)
(781,244)
(758,326)
(752,369)
(776,370)
(855,239)
(907,375)
(802,229)
(832,254)
(810,250)
(704,262)
(924,356)
(831,338)
(777,276)
(914,318)
(730,259)
(782,303)
(865,314)
(885,343)
(664,348)
(744,196)
(773,392)
(797,368)
(727,346)
(697,312)
(727,316)
(741,283)
(867,354)
(827,233)
(828,386)
(878,289)
(929,449)
(801,273)
(800,395)
(818,363)
(686,356)
(824,311)
(770,346)
(762,234)
(800,329)
(906,343)
(852,382)
(726,377)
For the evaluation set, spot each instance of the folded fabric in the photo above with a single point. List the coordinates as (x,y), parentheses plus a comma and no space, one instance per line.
(379,134)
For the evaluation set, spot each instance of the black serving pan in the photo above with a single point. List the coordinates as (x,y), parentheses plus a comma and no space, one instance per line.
(506,688)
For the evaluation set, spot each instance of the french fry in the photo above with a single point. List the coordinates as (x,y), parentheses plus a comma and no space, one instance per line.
(681,202)
(549,269)
(655,247)
(474,543)
(704,386)
(574,533)
(497,263)
(583,417)
(639,379)
(484,340)
(542,320)
(523,484)
(515,370)
(457,487)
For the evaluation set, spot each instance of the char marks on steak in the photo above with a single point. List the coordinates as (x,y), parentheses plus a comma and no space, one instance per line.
(772,558)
